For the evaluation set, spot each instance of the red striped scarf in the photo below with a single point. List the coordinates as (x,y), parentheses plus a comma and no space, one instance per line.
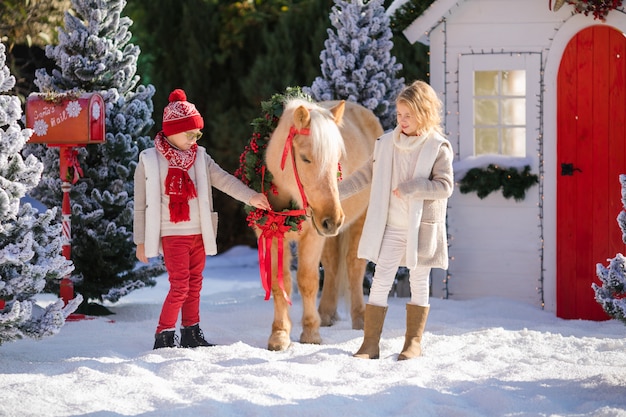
(178,185)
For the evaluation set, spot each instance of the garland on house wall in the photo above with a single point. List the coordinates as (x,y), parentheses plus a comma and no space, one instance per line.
(484,181)
(599,9)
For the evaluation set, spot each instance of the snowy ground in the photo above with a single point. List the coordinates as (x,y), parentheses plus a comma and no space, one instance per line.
(487,357)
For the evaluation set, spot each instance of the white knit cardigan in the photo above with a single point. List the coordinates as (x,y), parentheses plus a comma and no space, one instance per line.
(147,211)
(428,193)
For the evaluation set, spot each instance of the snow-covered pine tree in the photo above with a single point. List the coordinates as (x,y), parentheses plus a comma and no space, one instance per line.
(30,242)
(94,55)
(612,294)
(357,64)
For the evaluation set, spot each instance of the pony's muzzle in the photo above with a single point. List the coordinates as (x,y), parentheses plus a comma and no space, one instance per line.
(329,226)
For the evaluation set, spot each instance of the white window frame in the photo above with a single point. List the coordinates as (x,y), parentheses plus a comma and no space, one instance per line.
(468,64)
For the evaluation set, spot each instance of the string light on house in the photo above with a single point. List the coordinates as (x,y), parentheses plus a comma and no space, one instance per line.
(540,157)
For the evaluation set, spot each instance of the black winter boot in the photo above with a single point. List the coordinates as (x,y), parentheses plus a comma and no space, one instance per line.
(165,339)
(192,336)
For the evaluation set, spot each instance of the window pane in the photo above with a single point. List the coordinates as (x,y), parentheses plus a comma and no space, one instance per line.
(486,112)
(514,141)
(486,141)
(486,83)
(514,83)
(500,112)
(514,111)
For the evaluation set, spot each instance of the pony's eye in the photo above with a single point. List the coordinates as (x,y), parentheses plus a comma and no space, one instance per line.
(305,159)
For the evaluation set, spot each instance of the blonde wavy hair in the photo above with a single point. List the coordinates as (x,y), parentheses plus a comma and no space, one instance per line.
(424,104)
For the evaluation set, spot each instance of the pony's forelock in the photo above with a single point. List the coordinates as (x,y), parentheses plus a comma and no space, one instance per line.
(326,137)
(327,142)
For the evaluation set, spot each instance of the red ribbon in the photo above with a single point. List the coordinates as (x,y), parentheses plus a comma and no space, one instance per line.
(274,227)
(71,161)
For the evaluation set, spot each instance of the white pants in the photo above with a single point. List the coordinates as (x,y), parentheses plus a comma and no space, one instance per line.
(392,251)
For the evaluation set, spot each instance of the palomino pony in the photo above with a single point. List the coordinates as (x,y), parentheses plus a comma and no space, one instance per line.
(312,144)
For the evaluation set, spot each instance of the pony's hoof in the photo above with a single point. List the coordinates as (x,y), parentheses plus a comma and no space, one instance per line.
(279,341)
(311,337)
(328,320)
(358,323)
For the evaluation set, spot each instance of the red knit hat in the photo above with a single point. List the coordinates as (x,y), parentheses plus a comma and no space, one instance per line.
(180,115)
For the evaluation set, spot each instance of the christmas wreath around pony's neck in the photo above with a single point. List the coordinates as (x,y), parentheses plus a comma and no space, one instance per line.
(252,170)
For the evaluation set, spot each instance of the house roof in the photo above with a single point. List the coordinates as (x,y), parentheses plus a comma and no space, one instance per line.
(395,5)
(420,28)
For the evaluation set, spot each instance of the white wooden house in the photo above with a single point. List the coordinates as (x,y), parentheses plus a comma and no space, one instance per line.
(523,84)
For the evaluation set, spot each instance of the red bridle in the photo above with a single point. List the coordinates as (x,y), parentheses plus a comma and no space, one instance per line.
(289,147)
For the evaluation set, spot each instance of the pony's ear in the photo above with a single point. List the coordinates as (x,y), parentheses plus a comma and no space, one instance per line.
(338,110)
(301,117)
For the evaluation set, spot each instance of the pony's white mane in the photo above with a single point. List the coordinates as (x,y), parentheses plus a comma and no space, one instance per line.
(327,142)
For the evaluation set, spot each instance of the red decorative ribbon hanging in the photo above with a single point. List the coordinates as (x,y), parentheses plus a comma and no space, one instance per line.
(275,227)
(71,161)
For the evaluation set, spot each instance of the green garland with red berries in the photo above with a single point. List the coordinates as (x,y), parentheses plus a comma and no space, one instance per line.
(511,181)
(251,169)
(599,9)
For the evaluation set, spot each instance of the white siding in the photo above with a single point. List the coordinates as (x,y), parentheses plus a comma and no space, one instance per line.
(496,245)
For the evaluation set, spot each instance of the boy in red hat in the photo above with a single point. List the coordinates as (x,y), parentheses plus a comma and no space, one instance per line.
(174,215)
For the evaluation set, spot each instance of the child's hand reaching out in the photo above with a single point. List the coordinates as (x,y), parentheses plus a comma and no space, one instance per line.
(260,201)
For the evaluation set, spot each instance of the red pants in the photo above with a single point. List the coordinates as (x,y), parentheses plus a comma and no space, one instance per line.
(184,260)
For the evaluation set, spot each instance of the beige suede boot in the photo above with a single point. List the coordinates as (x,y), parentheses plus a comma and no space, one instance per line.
(374,319)
(415,323)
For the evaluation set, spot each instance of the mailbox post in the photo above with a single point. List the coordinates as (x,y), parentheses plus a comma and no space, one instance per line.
(67,155)
(66,121)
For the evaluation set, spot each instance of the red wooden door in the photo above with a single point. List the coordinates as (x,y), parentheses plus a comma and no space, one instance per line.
(591,129)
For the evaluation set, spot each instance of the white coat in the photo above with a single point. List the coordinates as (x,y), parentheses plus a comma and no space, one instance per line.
(428,193)
(147,210)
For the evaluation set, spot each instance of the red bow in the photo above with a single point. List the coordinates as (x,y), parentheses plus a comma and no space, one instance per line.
(71,162)
(274,227)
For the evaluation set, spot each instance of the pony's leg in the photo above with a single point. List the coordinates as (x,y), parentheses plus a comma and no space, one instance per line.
(356,272)
(281,327)
(309,253)
(330,291)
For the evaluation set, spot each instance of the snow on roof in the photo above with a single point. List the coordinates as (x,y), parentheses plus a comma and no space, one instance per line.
(427,21)
(395,5)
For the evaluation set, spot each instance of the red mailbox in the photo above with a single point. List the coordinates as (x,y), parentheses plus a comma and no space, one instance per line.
(65,119)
